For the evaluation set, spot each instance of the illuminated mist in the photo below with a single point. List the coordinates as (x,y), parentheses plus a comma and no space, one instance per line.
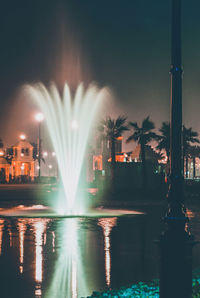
(69,121)
(68,278)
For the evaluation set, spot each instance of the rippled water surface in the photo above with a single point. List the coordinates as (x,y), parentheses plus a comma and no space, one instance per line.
(72,257)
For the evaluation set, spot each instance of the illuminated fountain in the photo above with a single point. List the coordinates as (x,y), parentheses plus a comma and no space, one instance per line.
(69,121)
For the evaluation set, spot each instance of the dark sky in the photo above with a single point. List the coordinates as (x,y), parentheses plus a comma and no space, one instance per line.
(122,44)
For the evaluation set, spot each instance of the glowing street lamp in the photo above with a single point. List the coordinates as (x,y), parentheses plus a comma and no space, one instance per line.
(39,118)
(22,137)
(45,154)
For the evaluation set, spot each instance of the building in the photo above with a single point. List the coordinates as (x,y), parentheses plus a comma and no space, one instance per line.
(4,169)
(103,154)
(23,164)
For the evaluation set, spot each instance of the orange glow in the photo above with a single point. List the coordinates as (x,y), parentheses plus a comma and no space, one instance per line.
(97,162)
(120,138)
(190,214)
(118,158)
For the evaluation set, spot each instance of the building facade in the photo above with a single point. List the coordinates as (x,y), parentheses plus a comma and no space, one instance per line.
(23,164)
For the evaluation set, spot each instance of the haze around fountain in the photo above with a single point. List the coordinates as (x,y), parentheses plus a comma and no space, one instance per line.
(69,121)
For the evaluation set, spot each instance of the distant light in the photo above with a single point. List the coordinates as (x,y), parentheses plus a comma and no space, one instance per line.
(50,166)
(1,153)
(38,167)
(22,154)
(45,154)
(74,124)
(22,137)
(39,117)
(53,153)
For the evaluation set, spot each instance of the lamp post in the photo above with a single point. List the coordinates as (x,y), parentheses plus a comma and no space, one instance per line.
(176,243)
(39,118)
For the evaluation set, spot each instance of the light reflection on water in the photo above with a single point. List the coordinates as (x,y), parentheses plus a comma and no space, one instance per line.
(107,224)
(21,229)
(68,278)
(71,257)
(68,274)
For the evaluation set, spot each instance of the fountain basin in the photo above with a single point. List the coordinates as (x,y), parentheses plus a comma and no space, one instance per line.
(41,211)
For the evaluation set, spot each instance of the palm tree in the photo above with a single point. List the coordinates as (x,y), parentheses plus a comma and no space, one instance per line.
(164,139)
(110,130)
(194,152)
(189,136)
(142,135)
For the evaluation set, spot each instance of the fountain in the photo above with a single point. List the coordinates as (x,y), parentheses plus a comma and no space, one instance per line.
(69,121)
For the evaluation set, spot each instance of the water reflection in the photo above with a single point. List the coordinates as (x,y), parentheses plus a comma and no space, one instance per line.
(39,228)
(53,241)
(107,224)
(21,228)
(10,235)
(73,257)
(1,233)
(68,278)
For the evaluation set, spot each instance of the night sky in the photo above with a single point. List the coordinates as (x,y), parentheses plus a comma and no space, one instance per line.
(121,44)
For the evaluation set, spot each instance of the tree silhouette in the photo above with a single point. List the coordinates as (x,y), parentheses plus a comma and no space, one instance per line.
(164,139)
(142,135)
(110,130)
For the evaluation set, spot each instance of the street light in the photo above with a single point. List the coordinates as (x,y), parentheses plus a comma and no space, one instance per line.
(22,137)
(39,118)
(45,154)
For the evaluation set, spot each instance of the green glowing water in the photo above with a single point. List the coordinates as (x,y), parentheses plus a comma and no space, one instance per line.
(69,120)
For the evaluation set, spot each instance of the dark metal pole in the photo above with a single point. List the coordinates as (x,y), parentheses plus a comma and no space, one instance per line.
(176,243)
(175,196)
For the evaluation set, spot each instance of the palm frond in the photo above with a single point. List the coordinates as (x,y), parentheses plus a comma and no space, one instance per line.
(133,125)
(147,124)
